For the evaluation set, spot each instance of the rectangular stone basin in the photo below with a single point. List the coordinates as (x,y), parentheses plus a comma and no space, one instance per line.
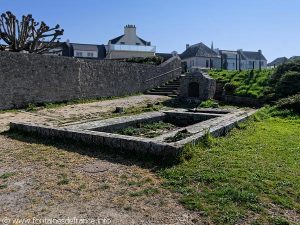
(189,126)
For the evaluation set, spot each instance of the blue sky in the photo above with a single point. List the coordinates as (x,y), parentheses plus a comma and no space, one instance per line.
(270,25)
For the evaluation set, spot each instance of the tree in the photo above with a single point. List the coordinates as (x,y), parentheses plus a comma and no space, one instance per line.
(28,35)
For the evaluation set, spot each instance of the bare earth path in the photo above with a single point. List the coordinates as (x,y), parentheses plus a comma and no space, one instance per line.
(77,112)
(40,181)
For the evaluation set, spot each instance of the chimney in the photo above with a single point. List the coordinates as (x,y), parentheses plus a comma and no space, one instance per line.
(187,46)
(130,30)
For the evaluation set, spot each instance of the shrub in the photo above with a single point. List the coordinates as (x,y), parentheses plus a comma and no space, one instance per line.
(284,80)
(248,83)
(230,88)
(288,84)
(155,60)
(210,103)
(292,103)
(282,69)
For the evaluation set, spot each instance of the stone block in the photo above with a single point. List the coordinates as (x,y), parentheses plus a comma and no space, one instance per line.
(197,85)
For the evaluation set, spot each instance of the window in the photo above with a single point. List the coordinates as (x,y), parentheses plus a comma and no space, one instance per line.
(207,63)
(137,43)
(122,43)
(90,54)
(79,54)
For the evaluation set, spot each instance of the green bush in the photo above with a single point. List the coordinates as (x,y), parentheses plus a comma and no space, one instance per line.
(155,60)
(292,103)
(282,69)
(284,81)
(248,83)
(210,103)
(288,84)
(230,88)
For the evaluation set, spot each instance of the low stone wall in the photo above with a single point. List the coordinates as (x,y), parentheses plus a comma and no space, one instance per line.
(219,90)
(221,95)
(241,100)
(216,124)
(31,78)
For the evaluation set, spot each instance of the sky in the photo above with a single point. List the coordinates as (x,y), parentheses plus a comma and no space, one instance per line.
(270,25)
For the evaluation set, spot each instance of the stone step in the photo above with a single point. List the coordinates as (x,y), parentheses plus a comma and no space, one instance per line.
(166,88)
(160,93)
(174,82)
(170,88)
(170,85)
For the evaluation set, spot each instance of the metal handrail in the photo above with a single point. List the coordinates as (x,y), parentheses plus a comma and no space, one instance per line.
(152,78)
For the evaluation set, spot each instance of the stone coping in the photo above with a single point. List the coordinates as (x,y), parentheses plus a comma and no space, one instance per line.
(216,124)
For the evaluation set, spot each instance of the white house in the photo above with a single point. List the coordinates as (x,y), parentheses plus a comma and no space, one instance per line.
(129,45)
(199,55)
(242,60)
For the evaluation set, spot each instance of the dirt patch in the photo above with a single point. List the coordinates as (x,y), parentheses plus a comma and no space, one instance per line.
(67,181)
(71,113)
(60,181)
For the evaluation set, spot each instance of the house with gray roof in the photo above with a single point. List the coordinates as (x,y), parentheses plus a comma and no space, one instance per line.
(278,61)
(199,55)
(242,60)
(89,51)
(129,45)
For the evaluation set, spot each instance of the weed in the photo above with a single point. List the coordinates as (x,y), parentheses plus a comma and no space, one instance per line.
(149,130)
(3,186)
(104,186)
(7,175)
(210,103)
(180,135)
(63,179)
(279,221)
(31,107)
(147,192)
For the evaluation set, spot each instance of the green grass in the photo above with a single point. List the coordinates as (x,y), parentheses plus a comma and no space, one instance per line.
(210,103)
(242,173)
(3,186)
(147,191)
(249,83)
(63,179)
(7,175)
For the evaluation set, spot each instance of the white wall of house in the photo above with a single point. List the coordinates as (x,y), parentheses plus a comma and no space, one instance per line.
(85,54)
(202,62)
(248,64)
(130,45)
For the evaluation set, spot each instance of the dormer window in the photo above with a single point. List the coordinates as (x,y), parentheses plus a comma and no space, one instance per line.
(122,43)
(138,44)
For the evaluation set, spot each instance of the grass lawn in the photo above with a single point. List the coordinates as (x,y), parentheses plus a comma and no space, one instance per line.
(249,83)
(251,176)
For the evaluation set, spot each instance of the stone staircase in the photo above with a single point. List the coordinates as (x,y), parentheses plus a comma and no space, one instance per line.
(171,89)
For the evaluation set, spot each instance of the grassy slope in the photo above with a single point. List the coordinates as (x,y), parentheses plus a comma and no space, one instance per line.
(244,175)
(249,83)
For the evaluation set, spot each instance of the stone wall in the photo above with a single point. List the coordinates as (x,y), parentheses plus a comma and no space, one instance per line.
(245,101)
(197,85)
(30,78)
